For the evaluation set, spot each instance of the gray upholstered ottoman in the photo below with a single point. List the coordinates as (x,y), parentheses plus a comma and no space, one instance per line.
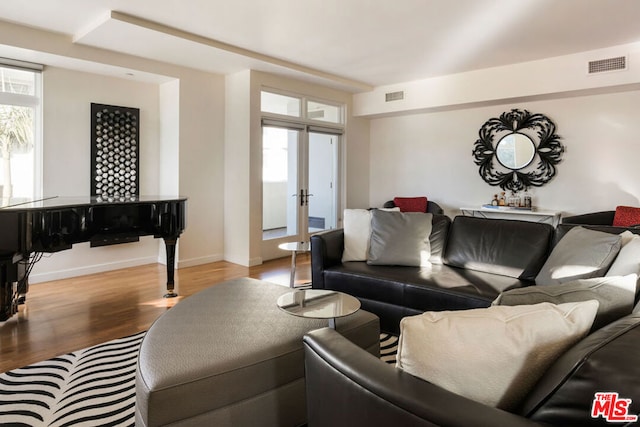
(227,356)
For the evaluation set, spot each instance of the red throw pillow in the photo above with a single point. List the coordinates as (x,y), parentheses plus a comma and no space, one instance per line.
(411,204)
(626,216)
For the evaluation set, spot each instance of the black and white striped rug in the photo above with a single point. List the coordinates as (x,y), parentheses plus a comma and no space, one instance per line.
(90,387)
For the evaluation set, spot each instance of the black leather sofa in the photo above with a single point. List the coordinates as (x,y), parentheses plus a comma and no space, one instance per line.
(347,386)
(602,219)
(475,260)
(480,258)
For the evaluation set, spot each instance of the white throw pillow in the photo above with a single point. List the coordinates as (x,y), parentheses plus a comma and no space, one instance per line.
(357,232)
(628,259)
(492,355)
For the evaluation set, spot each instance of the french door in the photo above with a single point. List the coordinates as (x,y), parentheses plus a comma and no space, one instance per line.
(299,182)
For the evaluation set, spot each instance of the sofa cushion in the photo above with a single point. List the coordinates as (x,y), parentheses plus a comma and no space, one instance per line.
(580,254)
(411,204)
(628,259)
(357,231)
(626,216)
(616,296)
(510,248)
(605,361)
(493,355)
(399,238)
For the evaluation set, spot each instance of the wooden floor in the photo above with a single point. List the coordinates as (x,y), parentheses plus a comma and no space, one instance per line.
(66,315)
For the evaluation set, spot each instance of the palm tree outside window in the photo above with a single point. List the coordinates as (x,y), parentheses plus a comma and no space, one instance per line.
(20,147)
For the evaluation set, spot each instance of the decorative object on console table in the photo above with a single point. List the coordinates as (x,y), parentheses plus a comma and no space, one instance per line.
(114,151)
(506,150)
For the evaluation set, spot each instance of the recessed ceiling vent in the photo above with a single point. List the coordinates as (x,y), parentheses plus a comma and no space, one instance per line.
(610,64)
(394,96)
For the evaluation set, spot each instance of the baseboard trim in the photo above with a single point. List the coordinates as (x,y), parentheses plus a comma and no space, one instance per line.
(91,269)
(192,262)
(101,268)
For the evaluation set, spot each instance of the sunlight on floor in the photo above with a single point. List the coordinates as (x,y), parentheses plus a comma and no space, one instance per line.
(163,302)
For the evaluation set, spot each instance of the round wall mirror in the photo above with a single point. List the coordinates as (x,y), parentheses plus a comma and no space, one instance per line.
(518,150)
(515,151)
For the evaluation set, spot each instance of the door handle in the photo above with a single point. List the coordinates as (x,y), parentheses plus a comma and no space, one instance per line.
(306,197)
(301,195)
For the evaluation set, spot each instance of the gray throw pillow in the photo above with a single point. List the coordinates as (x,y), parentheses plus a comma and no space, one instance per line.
(615,294)
(580,254)
(400,238)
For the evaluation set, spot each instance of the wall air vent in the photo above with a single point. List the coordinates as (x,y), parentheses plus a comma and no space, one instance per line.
(394,96)
(609,64)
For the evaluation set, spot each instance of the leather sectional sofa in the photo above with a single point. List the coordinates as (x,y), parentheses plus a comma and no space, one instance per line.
(475,260)
(479,258)
(347,386)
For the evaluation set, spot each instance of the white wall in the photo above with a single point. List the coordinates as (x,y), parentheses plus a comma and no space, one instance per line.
(67,102)
(181,153)
(556,77)
(237,168)
(201,166)
(430,154)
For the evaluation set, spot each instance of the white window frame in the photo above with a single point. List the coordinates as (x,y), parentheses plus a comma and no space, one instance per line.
(35,102)
(304,118)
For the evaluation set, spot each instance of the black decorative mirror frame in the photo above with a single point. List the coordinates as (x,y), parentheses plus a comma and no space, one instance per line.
(516,125)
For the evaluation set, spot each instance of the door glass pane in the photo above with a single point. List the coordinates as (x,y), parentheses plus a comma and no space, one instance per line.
(322,177)
(324,112)
(280,104)
(280,198)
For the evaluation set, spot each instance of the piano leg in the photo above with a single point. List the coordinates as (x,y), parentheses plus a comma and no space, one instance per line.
(23,280)
(170,246)
(8,289)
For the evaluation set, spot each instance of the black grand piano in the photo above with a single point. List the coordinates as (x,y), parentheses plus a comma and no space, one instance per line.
(32,227)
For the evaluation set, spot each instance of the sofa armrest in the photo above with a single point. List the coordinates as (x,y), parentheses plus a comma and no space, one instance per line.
(564,228)
(594,218)
(326,250)
(346,386)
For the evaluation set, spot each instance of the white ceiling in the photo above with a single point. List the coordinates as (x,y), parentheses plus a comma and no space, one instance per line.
(352,44)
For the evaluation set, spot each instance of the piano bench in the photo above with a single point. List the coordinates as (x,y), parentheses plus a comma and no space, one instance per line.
(228,356)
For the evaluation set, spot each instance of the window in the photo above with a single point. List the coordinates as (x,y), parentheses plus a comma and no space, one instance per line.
(280,104)
(20,142)
(324,112)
